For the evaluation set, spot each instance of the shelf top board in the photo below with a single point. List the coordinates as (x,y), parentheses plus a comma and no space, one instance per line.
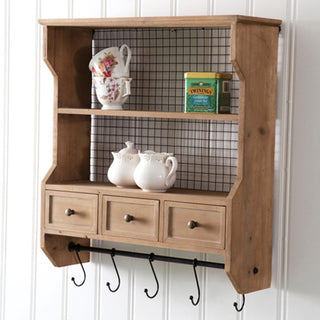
(160,22)
(150,114)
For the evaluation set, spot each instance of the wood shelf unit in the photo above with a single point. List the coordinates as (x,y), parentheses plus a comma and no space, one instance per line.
(240,220)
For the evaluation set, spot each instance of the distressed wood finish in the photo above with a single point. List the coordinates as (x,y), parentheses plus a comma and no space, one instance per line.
(241,220)
(149,114)
(82,218)
(56,248)
(160,22)
(194,225)
(250,211)
(129,218)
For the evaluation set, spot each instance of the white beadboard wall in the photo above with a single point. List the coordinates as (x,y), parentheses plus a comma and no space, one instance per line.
(32,289)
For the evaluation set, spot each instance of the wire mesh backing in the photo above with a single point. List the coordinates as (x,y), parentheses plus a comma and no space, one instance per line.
(206,150)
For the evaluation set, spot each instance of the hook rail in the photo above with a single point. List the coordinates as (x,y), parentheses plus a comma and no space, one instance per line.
(151,257)
(77,247)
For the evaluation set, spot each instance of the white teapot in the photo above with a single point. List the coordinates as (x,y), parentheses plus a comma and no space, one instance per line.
(122,168)
(156,172)
(110,62)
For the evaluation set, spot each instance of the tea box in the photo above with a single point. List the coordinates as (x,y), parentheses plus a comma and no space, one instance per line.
(207,92)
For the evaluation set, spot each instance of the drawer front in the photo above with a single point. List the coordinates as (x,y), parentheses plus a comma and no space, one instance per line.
(194,226)
(130,218)
(82,215)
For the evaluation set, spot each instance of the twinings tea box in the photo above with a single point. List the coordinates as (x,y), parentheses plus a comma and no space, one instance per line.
(207,92)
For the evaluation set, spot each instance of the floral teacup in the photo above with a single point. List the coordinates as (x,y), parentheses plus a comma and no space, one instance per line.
(110,62)
(111,92)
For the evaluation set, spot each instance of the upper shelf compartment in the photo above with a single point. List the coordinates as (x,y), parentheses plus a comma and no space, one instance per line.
(163,50)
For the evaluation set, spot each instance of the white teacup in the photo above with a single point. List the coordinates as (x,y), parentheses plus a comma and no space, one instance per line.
(112,92)
(110,62)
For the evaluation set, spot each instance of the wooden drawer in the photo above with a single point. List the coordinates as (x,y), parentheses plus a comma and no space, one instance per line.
(83,219)
(194,226)
(130,218)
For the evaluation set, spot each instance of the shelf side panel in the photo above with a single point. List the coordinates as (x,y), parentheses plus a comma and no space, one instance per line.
(67,51)
(72,149)
(249,244)
(56,249)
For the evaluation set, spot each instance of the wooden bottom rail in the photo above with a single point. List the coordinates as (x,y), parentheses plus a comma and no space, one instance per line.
(77,247)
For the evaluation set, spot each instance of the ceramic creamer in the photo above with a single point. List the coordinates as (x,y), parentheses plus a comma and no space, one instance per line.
(123,166)
(156,172)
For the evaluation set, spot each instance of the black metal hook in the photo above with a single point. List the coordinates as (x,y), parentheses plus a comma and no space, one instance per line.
(115,267)
(195,263)
(155,276)
(242,306)
(76,249)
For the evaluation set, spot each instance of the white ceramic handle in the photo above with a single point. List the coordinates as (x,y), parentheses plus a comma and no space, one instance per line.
(128,88)
(126,68)
(174,167)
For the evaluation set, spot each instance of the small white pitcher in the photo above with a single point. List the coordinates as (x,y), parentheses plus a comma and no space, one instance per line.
(122,168)
(156,172)
(110,62)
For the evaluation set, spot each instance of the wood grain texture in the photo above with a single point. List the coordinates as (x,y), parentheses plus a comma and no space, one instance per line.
(67,51)
(144,214)
(150,114)
(250,211)
(56,249)
(83,220)
(149,22)
(208,231)
(183,195)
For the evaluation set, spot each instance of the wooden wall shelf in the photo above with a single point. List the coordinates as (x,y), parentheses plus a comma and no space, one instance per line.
(236,224)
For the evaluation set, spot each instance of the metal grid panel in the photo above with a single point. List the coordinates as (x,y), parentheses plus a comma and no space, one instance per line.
(206,150)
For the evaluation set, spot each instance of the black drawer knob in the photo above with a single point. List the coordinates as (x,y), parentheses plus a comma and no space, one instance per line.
(192,224)
(69,212)
(128,218)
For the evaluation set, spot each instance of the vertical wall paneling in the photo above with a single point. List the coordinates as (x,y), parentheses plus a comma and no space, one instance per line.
(21,126)
(182,285)
(4,74)
(231,6)
(85,9)
(304,257)
(190,7)
(54,9)
(219,294)
(155,8)
(138,8)
(144,307)
(272,9)
(121,8)
(286,154)
(36,178)
(118,305)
